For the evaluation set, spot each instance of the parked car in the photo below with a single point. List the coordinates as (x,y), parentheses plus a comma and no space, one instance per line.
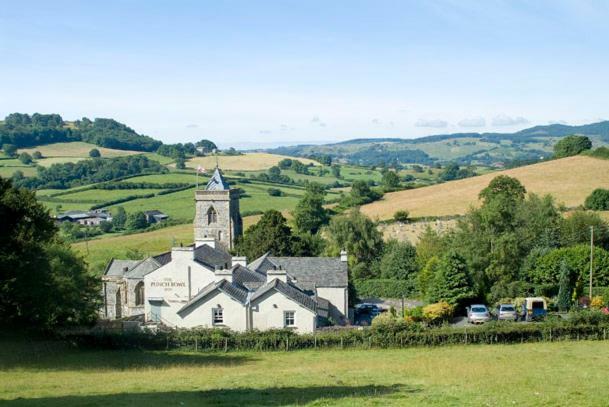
(507,312)
(478,314)
(534,308)
(365,313)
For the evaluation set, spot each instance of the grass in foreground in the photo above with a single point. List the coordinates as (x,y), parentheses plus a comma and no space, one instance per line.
(565,373)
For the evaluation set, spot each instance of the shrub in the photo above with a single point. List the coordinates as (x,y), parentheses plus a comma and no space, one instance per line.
(382,288)
(571,145)
(94,153)
(25,158)
(401,216)
(437,313)
(274,192)
(598,200)
(37,155)
(597,302)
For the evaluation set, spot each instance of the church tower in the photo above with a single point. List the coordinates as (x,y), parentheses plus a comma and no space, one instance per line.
(217,213)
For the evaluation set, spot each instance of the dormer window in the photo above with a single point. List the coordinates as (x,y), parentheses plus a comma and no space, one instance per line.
(212,216)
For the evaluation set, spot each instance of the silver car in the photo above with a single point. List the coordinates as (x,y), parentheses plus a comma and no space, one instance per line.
(478,314)
(507,312)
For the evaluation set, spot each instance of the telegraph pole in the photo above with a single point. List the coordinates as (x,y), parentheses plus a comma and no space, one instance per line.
(591,257)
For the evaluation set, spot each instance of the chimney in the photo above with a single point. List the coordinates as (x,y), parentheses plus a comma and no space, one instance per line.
(182,253)
(240,260)
(223,273)
(210,241)
(276,273)
(343,256)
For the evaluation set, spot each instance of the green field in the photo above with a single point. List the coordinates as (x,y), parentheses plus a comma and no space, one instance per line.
(36,373)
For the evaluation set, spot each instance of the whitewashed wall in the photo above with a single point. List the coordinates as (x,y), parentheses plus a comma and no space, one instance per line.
(267,313)
(235,313)
(338,297)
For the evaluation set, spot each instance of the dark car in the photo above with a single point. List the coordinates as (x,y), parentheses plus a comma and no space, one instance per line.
(365,313)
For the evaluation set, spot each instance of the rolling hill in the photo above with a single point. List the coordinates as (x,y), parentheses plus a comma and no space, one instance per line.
(465,148)
(570,180)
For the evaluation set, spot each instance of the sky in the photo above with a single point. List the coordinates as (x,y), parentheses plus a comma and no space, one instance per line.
(264,73)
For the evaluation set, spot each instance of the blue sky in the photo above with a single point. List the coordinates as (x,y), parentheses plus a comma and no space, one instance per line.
(248,73)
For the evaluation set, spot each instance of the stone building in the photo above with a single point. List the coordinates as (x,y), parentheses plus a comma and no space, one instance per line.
(202,285)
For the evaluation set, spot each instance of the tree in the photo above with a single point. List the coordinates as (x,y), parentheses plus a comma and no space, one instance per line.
(37,155)
(360,194)
(309,214)
(271,234)
(575,229)
(565,287)
(180,163)
(336,171)
(390,180)
(207,145)
(571,145)
(359,236)
(452,282)
(9,149)
(119,219)
(25,158)
(94,153)
(598,200)
(399,262)
(275,192)
(426,276)
(42,282)
(136,221)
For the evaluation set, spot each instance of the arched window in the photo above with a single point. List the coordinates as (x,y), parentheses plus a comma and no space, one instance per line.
(212,216)
(220,235)
(139,293)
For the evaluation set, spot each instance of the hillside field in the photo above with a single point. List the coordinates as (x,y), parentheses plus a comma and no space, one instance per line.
(244,162)
(51,374)
(72,152)
(570,180)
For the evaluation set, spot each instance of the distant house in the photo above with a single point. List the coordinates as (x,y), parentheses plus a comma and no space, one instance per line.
(85,218)
(155,216)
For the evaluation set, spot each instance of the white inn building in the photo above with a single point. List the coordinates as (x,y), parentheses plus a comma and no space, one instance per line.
(204,286)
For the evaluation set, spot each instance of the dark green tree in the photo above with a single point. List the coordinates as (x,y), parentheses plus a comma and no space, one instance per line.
(9,149)
(37,155)
(136,221)
(359,236)
(180,163)
(399,262)
(119,218)
(571,145)
(598,200)
(94,153)
(452,282)
(336,171)
(390,180)
(42,282)
(25,158)
(271,234)
(207,145)
(309,214)
(565,287)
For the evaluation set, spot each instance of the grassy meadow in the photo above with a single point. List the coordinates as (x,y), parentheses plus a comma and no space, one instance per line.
(570,180)
(34,373)
(244,162)
(76,150)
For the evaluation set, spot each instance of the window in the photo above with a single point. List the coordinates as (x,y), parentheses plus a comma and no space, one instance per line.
(212,216)
(139,293)
(217,316)
(288,318)
(219,235)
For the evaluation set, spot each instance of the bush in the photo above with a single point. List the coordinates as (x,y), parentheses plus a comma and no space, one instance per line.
(275,192)
(571,145)
(401,216)
(435,314)
(597,302)
(25,158)
(94,153)
(382,288)
(598,200)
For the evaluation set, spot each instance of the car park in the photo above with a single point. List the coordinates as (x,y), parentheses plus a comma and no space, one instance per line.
(365,313)
(478,314)
(507,312)
(534,308)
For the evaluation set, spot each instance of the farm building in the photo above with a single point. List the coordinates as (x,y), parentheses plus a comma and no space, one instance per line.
(85,218)
(202,285)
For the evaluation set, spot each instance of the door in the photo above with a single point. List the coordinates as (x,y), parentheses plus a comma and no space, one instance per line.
(155,311)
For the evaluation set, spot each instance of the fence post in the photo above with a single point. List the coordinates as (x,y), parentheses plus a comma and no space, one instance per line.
(314,341)
(341,343)
(369,342)
(466,335)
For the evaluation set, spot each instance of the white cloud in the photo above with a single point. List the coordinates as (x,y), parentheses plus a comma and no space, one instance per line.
(315,119)
(192,126)
(265,132)
(376,121)
(557,122)
(473,122)
(505,120)
(435,123)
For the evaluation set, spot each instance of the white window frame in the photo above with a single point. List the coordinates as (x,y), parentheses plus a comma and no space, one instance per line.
(214,318)
(292,317)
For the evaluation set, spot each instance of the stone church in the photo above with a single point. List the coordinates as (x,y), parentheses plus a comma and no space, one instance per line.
(203,285)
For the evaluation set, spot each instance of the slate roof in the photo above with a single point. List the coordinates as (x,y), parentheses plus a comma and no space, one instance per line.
(163,258)
(212,258)
(143,267)
(307,272)
(244,276)
(238,293)
(287,290)
(116,267)
(217,182)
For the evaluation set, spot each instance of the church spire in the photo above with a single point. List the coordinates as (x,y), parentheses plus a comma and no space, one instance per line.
(217,182)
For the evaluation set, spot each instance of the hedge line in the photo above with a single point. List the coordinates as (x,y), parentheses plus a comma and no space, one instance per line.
(220,340)
(383,288)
